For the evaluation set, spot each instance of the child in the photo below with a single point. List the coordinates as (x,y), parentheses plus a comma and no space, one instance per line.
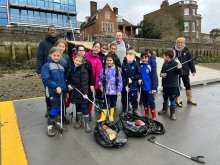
(169,82)
(112,51)
(53,77)
(103,52)
(130,76)
(79,81)
(110,82)
(149,85)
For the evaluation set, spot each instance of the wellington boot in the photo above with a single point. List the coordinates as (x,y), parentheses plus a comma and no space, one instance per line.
(153,113)
(86,123)
(78,123)
(164,110)
(147,113)
(103,116)
(172,113)
(179,102)
(189,98)
(111,115)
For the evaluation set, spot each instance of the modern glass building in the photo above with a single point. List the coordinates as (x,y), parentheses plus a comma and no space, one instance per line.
(38,13)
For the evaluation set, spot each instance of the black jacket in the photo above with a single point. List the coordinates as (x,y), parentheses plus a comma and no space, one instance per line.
(183,56)
(43,51)
(171,80)
(79,78)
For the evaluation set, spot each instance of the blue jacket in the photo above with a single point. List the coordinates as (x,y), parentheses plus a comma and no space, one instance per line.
(132,71)
(43,51)
(53,76)
(149,77)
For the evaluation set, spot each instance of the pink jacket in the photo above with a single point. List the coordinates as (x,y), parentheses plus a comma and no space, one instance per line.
(96,67)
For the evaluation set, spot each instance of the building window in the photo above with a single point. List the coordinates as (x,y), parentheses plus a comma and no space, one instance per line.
(186,11)
(194,12)
(107,27)
(107,15)
(186,26)
(193,27)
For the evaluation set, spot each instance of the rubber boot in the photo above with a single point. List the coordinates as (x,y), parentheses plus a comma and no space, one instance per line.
(90,112)
(189,98)
(86,123)
(103,116)
(153,113)
(147,113)
(179,103)
(111,116)
(78,123)
(172,113)
(164,110)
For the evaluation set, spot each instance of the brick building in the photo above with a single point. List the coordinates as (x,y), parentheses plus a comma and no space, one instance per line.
(178,19)
(105,21)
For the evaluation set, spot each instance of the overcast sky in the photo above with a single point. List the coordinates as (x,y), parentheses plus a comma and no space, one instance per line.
(133,10)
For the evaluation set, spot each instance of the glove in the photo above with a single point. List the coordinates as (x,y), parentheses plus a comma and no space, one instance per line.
(129,81)
(92,89)
(127,89)
(85,96)
(70,87)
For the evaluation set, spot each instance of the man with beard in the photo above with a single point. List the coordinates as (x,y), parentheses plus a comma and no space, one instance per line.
(42,55)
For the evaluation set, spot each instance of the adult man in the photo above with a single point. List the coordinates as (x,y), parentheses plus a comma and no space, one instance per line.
(183,54)
(43,52)
(122,46)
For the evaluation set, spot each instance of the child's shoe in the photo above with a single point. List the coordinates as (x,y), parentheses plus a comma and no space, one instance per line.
(50,131)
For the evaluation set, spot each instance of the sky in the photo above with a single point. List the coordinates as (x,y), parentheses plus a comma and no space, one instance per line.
(133,10)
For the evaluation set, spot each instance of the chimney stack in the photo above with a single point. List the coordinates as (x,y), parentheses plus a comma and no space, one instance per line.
(93,7)
(115,9)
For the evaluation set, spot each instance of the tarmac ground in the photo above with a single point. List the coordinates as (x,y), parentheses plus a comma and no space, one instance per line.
(195,133)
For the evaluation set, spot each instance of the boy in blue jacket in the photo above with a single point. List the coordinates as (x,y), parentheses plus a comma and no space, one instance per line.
(54,80)
(130,76)
(149,85)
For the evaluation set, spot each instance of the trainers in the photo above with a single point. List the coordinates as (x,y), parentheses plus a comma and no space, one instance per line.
(50,131)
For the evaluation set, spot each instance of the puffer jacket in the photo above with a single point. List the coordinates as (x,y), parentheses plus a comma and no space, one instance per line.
(53,76)
(110,86)
(79,78)
(96,66)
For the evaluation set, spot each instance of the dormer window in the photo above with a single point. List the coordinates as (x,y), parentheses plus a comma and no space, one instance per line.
(186,11)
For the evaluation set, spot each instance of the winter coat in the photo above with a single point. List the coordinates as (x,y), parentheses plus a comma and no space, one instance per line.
(96,67)
(43,51)
(53,76)
(88,67)
(79,79)
(149,77)
(109,75)
(132,71)
(183,56)
(171,80)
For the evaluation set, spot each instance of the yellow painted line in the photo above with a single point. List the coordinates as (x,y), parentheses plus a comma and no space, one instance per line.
(12,151)
(28,99)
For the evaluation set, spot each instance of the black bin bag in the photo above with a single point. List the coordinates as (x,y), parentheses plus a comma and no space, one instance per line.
(109,135)
(139,126)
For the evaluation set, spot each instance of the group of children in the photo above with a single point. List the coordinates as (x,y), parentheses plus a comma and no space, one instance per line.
(101,73)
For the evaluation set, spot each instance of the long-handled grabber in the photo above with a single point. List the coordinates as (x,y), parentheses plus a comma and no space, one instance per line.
(196,159)
(194,58)
(87,98)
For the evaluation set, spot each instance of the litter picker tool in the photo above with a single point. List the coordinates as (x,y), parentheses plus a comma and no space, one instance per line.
(106,104)
(196,158)
(194,58)
(87,98)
